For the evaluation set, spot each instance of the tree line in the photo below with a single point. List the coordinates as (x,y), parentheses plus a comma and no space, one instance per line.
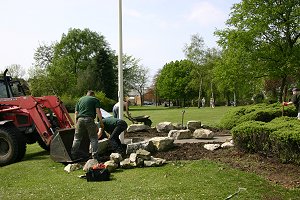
(258,59)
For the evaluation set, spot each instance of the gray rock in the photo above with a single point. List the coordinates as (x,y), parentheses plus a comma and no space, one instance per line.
(203,134)
(133,157)
(212,147)
(89,164)
(227,144)
(116,157)
(137,128)
(154,162)
(162,143)
(143,154)
(73,167)
(103,146)
(146,145)
(180,134)
(126,164)
(193,125)
(178,126)
(111,165)
(164,127)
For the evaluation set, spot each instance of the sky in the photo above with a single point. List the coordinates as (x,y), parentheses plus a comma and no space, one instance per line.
(154,31)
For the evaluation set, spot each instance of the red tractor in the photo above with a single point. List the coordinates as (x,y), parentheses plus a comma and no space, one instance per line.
(27,120)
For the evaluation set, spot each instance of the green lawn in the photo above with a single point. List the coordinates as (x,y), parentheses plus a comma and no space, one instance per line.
(208,116)
(38,177)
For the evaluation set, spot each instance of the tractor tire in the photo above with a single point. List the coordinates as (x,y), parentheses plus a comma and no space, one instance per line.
(42,143)
(12,145)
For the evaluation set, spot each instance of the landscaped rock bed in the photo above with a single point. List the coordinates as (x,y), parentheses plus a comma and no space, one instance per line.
(287,175)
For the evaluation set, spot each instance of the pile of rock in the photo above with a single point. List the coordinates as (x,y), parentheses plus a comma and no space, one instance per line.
(141,158)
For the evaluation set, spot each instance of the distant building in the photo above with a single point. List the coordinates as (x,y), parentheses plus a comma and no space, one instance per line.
(135,99)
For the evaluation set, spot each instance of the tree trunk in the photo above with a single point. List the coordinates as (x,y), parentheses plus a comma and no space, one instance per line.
(283,84)
(200,93)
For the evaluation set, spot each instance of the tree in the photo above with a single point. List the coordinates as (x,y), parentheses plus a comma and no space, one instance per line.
(43,55)
(195,52)
(267,33)
(81,60)
(173,81)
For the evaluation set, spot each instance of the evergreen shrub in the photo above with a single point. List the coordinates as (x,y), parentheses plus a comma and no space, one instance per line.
(279,137)
(258,112)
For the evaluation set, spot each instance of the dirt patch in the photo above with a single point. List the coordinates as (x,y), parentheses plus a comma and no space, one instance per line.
(287,175)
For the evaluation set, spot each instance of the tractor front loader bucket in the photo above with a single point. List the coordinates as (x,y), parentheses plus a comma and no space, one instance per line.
(61,145)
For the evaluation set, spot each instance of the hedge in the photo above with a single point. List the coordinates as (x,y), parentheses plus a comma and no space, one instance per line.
(259,112)
(280,137)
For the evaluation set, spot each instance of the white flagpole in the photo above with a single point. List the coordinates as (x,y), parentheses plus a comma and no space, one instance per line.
(120,69)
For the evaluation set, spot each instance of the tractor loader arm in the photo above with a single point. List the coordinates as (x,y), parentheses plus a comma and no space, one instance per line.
(35,107)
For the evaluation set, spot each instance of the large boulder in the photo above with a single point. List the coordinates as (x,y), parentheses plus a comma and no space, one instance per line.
(103,146)
(162,143)
(146,145)
(203,134)
(137,128)
(193,125)
(164,127)
(180,134)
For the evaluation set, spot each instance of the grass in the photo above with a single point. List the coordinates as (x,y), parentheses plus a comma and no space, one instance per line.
(38,177)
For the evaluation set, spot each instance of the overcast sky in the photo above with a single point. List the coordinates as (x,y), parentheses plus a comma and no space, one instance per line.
(154,31)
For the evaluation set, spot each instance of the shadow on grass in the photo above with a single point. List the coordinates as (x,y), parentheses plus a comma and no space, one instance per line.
(36,155)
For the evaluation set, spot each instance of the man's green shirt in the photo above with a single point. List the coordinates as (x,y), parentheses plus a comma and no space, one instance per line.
(86,106)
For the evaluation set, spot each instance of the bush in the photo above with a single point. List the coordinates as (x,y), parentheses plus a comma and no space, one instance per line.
(259,112)
(106,103)
(280,137)
(69,103)
(231,118)
(252,136)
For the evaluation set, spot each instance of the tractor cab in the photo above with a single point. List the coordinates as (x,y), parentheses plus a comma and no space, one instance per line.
(9,87)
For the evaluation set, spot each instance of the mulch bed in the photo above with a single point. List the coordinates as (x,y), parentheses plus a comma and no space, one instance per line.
(287,175)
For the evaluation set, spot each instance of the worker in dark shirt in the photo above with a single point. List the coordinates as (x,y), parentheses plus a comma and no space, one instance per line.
(114,127)
(86,110)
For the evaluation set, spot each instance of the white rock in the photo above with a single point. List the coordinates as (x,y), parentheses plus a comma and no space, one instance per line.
(111,165)
(211,147)
(137,128)
(164,127)
(162,143)
(203,134)
(180,134)
(227,144)
(116,157)
(72,167)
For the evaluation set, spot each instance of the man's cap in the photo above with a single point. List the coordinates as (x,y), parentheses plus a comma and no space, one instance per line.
(295,89)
